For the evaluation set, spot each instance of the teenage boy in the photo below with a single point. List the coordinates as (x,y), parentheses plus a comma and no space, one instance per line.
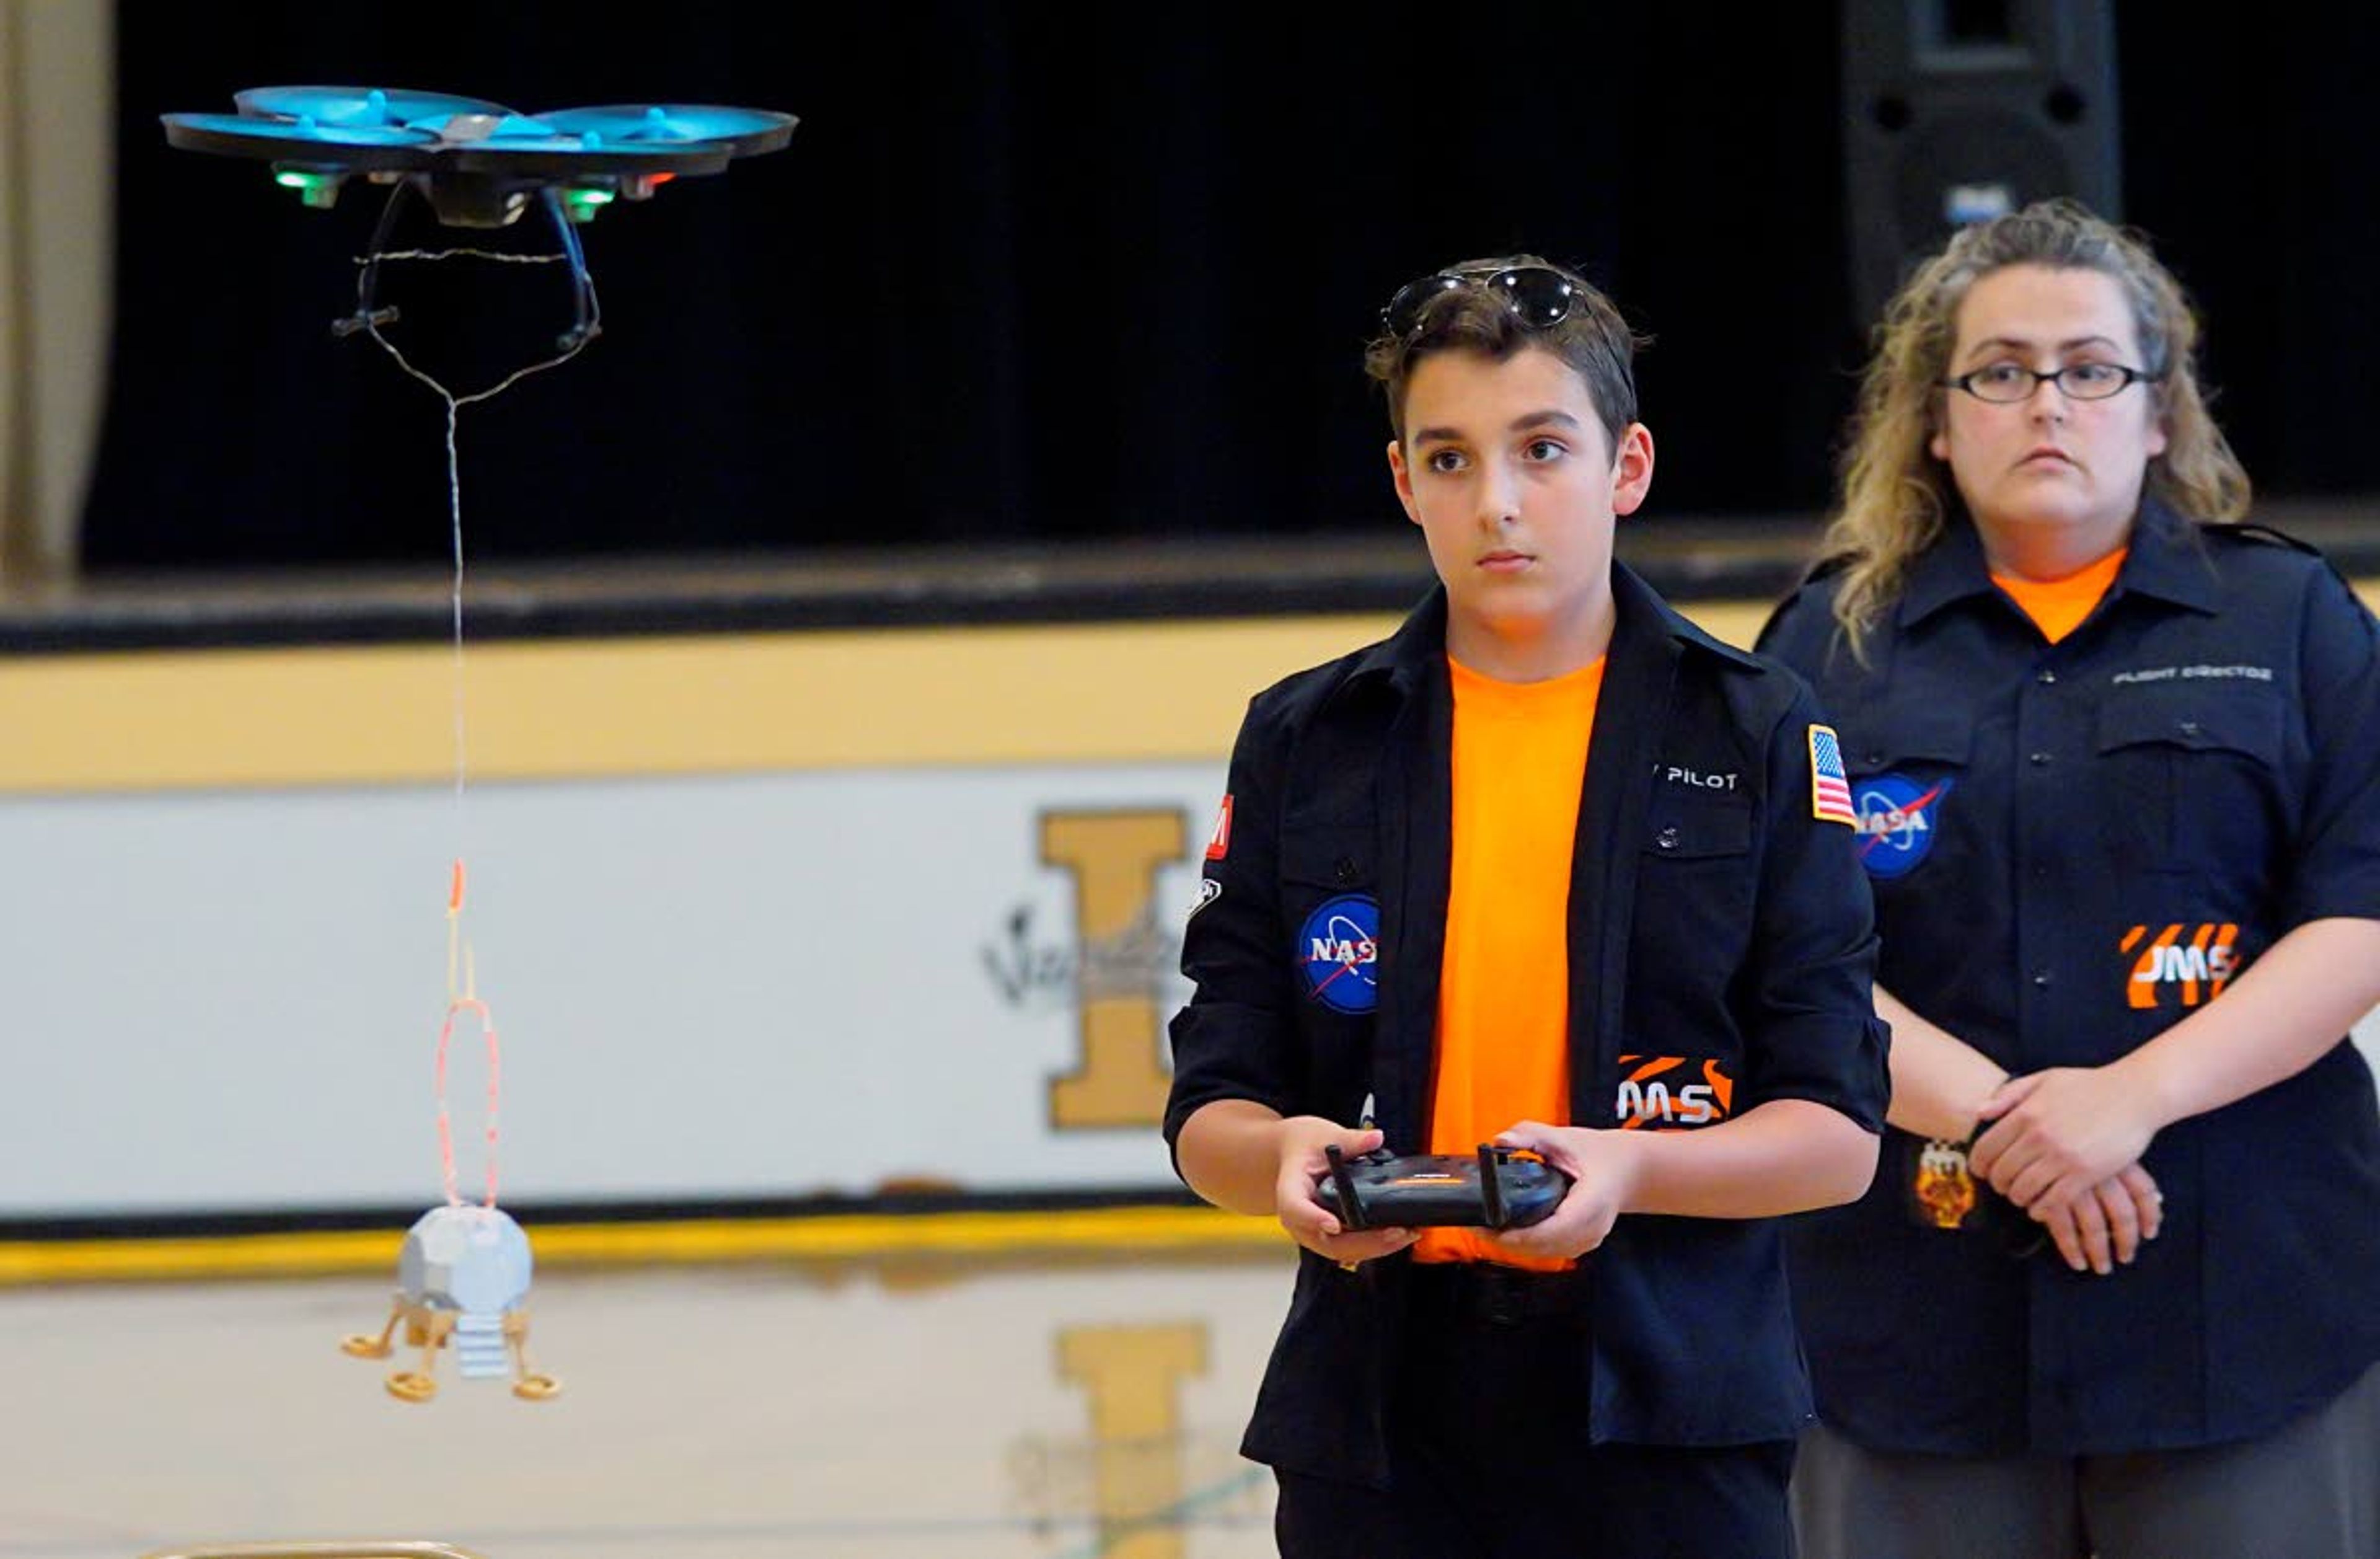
(1552,868)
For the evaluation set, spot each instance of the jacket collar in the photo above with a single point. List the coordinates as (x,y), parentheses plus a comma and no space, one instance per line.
(2169,561)
(1418,647)
(2165,561)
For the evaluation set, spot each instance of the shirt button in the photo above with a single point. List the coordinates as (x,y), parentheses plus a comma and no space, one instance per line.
(1667,838)
(2041,980)
(2190,728)
(1343,870)
(2040,759)
(2047,679)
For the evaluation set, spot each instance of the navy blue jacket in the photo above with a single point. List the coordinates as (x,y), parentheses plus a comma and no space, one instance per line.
(2075,846)
(1711,918)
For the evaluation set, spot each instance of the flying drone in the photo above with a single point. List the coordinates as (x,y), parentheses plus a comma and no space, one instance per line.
(476,163)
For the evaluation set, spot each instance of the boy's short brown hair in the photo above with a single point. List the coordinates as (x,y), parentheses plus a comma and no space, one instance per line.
(1469,311)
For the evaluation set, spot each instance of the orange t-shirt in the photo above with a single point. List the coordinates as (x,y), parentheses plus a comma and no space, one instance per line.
(2059,606)
(1503,999)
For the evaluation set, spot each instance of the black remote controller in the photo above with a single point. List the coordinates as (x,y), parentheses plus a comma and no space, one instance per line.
(1499,1188)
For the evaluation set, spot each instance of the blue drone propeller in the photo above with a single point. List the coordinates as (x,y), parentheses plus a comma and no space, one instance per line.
(476,163)
(368,106)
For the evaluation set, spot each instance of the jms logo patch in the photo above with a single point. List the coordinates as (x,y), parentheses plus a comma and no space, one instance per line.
(2193,962)
(1664,1090)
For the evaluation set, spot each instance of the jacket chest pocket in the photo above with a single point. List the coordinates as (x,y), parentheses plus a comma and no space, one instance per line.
(1694,881)
(1906,770)
(1331,907)
(1333,859)
(1693,828)
(2190,775)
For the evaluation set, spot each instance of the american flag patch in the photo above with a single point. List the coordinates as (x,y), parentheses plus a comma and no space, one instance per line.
(1830,788)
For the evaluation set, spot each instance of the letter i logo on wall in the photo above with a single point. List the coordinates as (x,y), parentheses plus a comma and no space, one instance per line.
(1114,857)
(1218,843)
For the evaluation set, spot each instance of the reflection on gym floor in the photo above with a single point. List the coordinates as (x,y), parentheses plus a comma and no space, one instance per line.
(1082,1411)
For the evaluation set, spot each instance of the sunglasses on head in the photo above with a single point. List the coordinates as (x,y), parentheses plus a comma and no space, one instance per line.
(1538,296)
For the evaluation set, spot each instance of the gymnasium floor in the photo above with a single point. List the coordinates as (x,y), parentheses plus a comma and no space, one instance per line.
(1076,1405)
(932,1410)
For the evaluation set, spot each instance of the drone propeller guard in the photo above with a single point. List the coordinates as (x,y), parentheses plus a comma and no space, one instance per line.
(475,162)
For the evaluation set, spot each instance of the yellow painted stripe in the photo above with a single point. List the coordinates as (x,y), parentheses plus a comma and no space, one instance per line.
(1108,693)
(235,719)
(1118,1231)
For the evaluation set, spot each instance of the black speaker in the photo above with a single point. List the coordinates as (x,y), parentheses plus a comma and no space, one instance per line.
(1958,110)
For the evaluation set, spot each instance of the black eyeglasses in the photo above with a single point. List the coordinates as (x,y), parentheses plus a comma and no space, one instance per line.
(2004,383)
(1538,296)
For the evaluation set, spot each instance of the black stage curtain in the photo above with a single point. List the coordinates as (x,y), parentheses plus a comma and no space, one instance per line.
(1045,274)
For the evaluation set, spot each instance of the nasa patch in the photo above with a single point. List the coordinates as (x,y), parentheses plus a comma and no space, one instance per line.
(1897,819)
(1339,950)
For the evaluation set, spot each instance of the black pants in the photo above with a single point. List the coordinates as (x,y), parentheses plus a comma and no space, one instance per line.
(1490,1454)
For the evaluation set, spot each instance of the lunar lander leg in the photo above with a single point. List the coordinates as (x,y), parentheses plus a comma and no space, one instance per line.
(430,1328)
(526,1385)
(363,1345)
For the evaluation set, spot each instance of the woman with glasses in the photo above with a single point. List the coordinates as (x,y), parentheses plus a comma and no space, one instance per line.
(1551,868)
(2116,759)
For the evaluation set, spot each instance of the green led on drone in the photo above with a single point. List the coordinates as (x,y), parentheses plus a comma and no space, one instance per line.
(315,188)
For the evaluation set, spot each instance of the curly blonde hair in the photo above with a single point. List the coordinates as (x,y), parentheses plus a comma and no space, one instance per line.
(1896,494)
